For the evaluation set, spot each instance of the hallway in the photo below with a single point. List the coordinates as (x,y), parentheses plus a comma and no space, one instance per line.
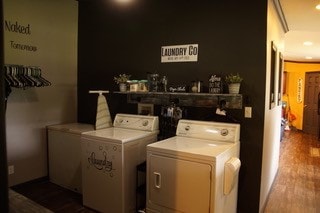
(296,188)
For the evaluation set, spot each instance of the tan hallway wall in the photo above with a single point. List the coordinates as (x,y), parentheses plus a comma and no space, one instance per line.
(296,71)
(53,27)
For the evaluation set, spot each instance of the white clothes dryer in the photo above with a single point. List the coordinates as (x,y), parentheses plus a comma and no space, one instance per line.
(196,170)
(109,162)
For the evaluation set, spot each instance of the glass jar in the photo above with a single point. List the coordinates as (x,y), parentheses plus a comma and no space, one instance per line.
(164,83)
(153,81)
(134,85)
(143,86)
(196,86)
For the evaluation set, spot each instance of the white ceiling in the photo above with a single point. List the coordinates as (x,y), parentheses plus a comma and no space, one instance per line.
(303,21)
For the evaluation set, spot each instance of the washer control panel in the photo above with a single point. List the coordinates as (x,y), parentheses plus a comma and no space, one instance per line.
(137,122)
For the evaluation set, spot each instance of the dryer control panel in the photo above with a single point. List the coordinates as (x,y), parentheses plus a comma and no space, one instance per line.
(215,131)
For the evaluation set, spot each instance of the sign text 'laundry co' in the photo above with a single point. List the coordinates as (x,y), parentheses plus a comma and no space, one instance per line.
(179,53)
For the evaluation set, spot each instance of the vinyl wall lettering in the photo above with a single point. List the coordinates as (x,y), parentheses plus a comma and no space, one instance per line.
(25,47)
(23,29)
(299,91)
(17,28)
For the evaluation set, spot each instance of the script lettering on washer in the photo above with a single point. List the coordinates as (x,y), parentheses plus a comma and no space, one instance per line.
(100,164)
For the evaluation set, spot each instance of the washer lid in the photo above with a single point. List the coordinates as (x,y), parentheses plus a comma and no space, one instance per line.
(76,128)
(117,135)
(190,146)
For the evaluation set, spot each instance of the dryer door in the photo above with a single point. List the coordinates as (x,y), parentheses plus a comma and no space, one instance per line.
(178,185)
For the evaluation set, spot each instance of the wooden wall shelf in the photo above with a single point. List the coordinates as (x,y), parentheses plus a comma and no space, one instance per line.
(233,101)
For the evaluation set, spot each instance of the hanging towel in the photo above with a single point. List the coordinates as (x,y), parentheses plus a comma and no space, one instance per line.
(103,118)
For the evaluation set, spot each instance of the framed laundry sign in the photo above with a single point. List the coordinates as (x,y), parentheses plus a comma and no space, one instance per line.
(179,53)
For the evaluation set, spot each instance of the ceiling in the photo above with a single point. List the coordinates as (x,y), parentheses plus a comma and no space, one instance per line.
(303,21)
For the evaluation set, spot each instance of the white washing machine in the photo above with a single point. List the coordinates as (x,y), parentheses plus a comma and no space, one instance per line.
(109,162)
(64,154)
(196,170)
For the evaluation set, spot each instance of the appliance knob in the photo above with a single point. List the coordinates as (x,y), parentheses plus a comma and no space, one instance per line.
(224,132)
(145,123)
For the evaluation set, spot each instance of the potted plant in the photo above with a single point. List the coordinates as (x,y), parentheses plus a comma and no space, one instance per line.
(233,81)
(122,81)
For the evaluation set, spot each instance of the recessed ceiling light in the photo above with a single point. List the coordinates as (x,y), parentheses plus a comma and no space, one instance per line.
(308,57)
(307,43)
(318,7)
(123,1)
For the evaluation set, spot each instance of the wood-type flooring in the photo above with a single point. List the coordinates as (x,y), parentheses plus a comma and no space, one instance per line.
(296,188)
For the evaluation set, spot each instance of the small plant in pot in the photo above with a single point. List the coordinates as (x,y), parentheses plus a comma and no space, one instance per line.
(122,81)
(233,81)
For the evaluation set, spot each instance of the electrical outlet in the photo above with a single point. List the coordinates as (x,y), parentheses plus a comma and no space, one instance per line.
(11,169)
(248,112)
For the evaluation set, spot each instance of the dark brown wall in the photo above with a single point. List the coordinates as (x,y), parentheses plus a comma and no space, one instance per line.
(3,150)
(231,35)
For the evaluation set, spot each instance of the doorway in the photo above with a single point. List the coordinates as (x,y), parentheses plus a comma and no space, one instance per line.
(310,123)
